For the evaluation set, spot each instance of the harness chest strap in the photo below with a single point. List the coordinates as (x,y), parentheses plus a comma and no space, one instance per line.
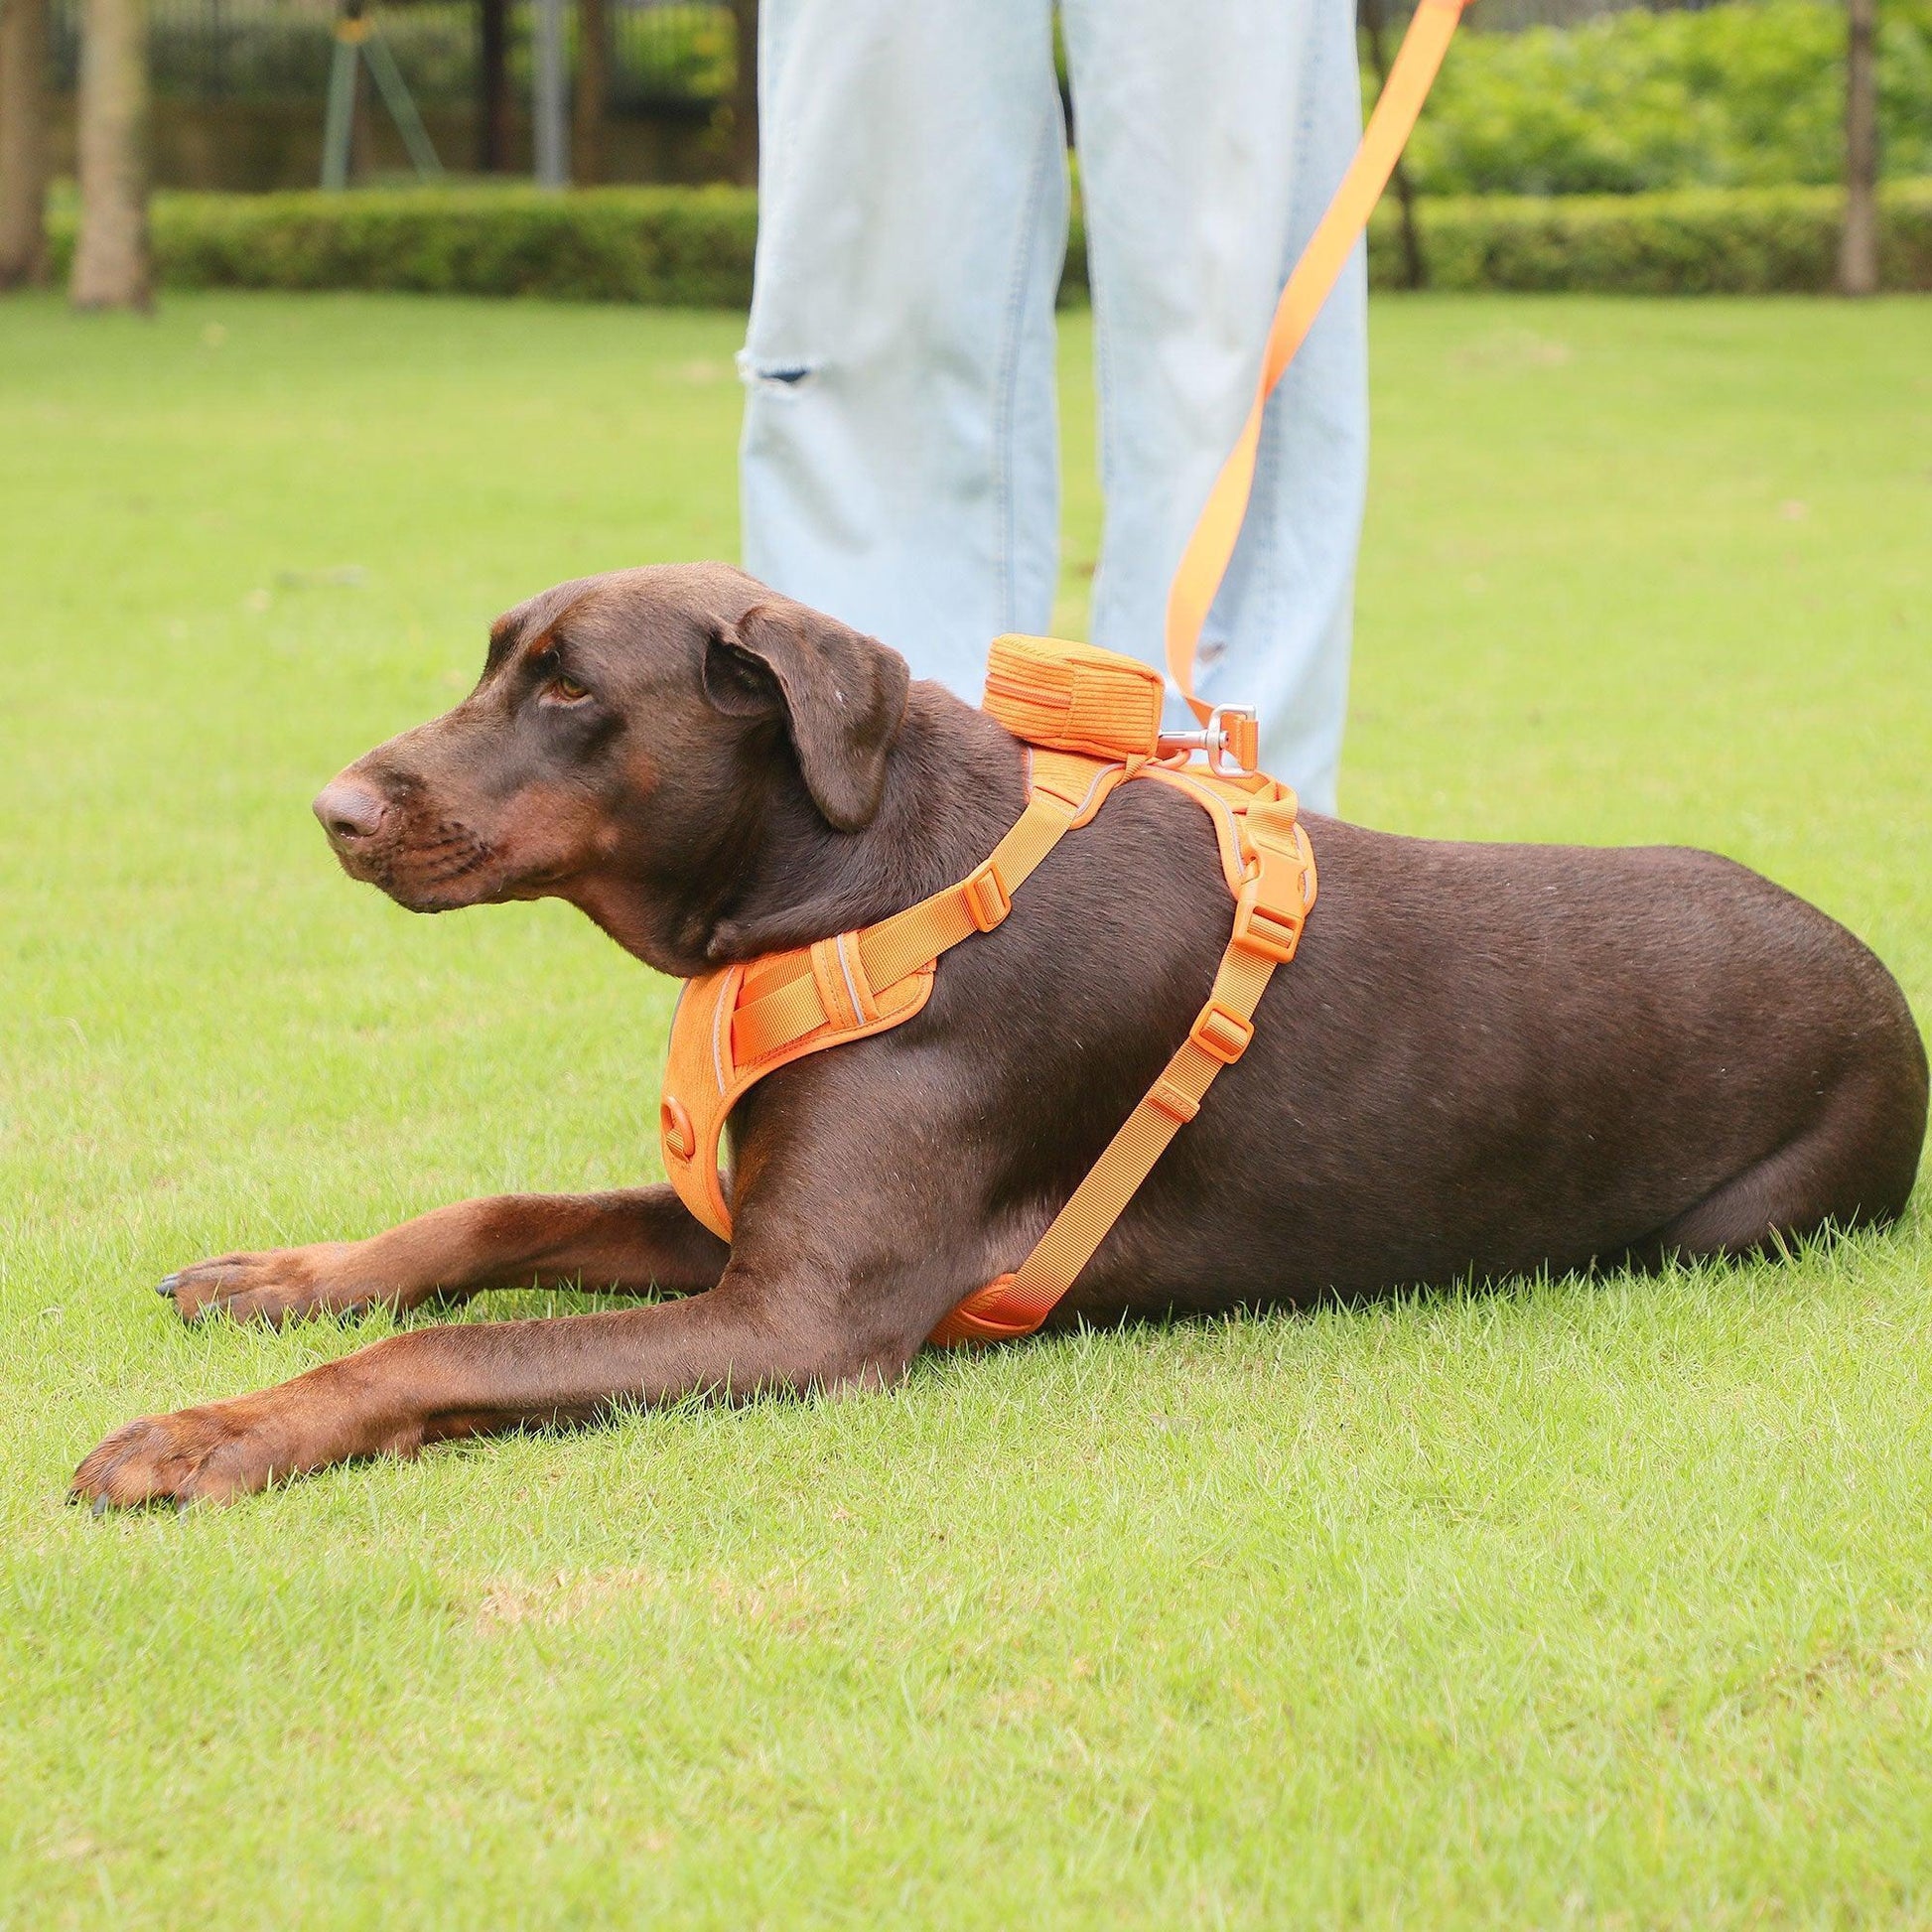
(733,1027)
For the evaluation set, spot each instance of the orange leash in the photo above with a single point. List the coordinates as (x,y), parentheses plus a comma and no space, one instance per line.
(1204,562)
(1094,719)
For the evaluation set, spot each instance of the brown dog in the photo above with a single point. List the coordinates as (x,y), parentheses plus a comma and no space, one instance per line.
(1485,1059)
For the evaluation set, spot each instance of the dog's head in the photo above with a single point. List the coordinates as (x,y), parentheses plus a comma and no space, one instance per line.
(630,736)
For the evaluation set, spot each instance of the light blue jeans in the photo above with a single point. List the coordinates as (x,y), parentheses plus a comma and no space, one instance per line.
(900,465)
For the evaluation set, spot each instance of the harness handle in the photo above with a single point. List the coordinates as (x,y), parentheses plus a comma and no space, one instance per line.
(1204,562)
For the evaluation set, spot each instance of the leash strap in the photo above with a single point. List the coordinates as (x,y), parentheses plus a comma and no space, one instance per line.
(1204,562)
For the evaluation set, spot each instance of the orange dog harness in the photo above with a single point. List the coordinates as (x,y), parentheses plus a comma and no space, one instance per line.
(1091,722)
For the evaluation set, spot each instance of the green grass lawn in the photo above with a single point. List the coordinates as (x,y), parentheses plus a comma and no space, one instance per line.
(1605,1602)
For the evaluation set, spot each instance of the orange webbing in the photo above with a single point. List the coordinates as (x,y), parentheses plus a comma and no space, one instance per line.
(735,1026)
(1277,892)
(1204,562)
(1064,792)
(703,1082)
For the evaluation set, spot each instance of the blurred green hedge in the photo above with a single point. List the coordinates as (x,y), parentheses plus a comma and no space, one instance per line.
(691,248)
(1725,96)
(1694,242)
(675,247)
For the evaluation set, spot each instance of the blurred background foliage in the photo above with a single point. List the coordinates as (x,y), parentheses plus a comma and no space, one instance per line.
(1746,94)
(1749,92)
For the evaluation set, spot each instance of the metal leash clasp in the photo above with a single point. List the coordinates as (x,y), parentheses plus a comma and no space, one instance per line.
(1231,738)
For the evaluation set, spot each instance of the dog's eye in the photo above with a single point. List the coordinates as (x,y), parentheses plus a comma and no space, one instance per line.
(564,690)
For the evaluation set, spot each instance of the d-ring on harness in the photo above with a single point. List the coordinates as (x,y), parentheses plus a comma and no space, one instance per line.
(1091,720)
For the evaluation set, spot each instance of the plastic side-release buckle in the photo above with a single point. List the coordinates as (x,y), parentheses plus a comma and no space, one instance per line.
(1271,906)
(987,899)
(1273,931)
(1220,1033)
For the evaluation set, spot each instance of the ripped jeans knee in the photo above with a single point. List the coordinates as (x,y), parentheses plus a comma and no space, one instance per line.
(775,375)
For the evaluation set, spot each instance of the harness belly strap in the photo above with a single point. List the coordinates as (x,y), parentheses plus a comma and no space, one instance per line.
(733,1027)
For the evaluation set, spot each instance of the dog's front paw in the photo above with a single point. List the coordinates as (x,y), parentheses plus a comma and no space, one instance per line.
(282,1285)
(212,1452)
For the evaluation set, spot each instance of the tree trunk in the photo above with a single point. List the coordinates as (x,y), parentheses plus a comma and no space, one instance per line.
(1415,264)
(23,142)
(1857,260)
(110,260)
(744,94)
(493,86)
(592,81)
(549,88)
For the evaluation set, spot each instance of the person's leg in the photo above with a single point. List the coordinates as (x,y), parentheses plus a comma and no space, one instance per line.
(1211,141)
(899,466)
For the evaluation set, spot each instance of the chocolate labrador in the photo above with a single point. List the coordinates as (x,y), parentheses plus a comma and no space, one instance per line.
(1486,1058)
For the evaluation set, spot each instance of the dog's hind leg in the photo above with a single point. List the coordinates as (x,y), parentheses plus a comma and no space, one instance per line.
(629,1242)
(1853,1166)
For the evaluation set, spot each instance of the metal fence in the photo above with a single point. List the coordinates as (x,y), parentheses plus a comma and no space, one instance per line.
(664,55)
(241,83)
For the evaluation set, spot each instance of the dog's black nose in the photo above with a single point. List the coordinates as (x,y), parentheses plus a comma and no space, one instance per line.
(350,811)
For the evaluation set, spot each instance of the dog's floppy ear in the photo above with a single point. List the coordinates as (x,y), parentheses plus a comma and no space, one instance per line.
(841,694)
